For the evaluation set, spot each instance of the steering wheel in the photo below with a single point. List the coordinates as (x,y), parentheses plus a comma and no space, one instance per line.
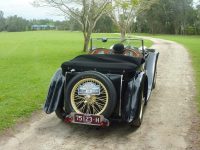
(133,53)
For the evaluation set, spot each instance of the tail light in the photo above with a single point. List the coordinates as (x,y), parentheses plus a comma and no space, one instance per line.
(105,123)
(68,119)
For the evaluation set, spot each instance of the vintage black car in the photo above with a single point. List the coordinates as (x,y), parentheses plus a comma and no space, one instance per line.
(106,85)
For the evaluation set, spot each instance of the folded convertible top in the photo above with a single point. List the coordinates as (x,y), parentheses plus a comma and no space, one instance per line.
(103,63)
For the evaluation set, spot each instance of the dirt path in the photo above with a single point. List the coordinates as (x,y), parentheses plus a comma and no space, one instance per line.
(167,123)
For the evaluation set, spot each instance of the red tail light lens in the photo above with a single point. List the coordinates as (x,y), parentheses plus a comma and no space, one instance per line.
(68,119)
(104,124)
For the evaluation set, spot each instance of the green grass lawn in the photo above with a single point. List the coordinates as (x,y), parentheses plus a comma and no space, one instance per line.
(192,43)
(27,62)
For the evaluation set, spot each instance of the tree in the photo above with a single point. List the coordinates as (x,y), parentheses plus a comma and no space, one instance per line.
(197,19)
(2,21)
(85,12)
(125,11)
(15,23)
(74,25)
(168,16)
(105,25)
(155,19)
(62,25)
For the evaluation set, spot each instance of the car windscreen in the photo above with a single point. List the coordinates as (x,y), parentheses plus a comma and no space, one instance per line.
(109,42)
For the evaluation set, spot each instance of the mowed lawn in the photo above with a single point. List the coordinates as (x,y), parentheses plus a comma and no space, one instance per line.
(192,43)
(27,62)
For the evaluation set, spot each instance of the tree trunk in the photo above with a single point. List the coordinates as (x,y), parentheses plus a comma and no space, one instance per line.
(176,30)
(123,33)
(86,41)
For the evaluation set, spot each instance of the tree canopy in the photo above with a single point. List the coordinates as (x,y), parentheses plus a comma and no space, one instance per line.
(169,16)
(85,12)
(124,12)
(2,21)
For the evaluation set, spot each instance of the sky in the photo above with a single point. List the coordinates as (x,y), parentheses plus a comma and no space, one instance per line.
(23,8)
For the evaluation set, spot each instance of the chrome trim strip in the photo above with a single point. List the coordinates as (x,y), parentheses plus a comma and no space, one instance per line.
(120,97)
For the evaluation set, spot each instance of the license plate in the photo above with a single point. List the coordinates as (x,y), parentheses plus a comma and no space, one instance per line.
(87,119)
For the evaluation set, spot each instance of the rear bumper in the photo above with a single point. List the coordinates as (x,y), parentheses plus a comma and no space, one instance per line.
(87,119)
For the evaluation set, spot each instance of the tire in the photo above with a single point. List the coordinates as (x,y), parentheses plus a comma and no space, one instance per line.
(60,113)
(141,104)
(106,98)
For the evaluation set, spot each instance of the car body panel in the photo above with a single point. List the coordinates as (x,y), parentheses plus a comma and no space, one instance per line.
(150,66)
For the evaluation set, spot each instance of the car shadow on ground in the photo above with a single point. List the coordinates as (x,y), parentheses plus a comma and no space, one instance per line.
(58,128)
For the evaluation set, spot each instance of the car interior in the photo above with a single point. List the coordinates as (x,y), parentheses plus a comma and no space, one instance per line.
(127,51)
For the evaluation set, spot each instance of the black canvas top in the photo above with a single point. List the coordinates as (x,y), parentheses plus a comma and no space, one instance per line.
(109,63)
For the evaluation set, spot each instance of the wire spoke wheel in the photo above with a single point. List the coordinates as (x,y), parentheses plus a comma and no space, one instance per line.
(89,103)
(90,92)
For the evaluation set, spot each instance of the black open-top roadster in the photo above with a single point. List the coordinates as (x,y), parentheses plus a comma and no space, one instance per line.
(108,84)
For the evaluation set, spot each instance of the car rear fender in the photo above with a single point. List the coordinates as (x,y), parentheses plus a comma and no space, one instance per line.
(55,93)
(131,97)
(150,67)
